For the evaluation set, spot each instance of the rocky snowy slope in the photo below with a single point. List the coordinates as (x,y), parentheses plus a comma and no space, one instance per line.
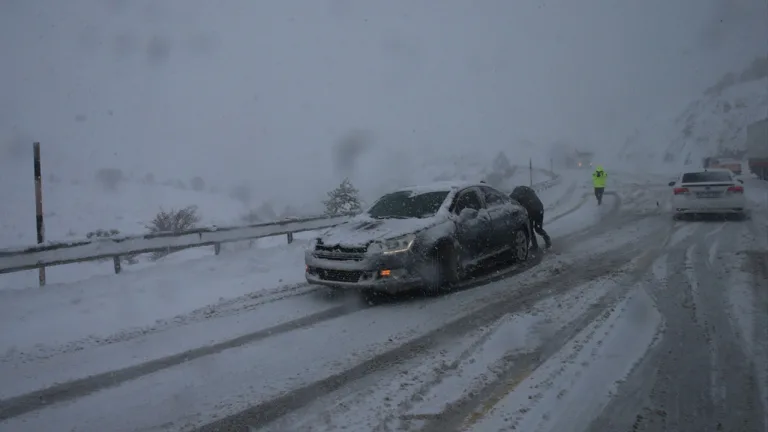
(714,123)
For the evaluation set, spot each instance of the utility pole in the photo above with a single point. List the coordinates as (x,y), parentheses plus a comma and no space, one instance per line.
(530,169)
(39,222)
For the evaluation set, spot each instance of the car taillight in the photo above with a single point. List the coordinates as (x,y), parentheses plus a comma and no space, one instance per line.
(680,191)
(736,189)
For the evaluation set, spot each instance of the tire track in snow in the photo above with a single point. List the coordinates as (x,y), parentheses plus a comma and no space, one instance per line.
(469,412)
(576,274)
(757,266)
(36,400)
(567,195)
(222,309)
(579,205)
(699,378)
(19,405)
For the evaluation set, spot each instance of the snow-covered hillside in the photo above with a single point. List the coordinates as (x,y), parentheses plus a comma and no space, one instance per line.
(73,208)
(714,123)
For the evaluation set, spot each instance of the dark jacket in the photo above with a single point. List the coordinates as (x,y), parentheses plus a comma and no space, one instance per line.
(527,198)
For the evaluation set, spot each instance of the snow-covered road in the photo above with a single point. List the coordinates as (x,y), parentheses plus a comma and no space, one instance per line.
(632,320)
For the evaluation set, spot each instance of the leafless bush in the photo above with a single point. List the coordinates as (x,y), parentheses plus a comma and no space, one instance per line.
(173,221)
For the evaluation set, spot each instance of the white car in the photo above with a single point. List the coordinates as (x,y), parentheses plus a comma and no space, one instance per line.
(709,191)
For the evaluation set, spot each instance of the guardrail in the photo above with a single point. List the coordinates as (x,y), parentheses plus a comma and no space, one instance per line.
(51,254)
(58,253)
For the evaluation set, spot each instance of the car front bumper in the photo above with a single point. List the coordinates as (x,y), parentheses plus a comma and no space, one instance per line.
(388,273)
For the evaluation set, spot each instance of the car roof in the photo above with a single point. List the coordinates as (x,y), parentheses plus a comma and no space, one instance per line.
(443,186)
(725,170)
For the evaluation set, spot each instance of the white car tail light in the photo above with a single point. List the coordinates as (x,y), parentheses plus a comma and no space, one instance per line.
(736,189)
(680,191)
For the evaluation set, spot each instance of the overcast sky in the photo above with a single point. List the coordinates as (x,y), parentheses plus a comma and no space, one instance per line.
(261,90)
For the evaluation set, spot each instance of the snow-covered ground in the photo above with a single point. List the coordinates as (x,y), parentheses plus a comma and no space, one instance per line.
(279,364)
(138,299)
(549,346)
(572,386)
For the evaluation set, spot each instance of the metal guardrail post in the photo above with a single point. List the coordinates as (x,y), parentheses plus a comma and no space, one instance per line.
(118,266)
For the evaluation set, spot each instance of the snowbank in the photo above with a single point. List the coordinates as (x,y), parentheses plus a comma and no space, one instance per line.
(102,305)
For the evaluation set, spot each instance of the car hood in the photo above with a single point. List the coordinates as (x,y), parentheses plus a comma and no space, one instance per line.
(362,231)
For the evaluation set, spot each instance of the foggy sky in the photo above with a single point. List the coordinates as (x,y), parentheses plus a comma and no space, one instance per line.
(263,91)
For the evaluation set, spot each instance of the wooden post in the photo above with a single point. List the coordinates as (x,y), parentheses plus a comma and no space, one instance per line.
(216,248)
(530,169)
(39,205)
(118,266)
(290,237)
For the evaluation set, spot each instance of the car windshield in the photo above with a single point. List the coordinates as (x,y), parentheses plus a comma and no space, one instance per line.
(706,176)
(407,204)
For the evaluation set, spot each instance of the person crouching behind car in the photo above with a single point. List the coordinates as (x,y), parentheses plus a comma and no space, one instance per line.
(527,198)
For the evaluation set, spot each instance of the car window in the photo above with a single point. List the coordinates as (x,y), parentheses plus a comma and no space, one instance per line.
(494,197)
(706,176)
(468,199)
(407,204)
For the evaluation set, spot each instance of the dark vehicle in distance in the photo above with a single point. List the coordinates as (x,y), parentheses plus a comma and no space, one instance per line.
(429,236)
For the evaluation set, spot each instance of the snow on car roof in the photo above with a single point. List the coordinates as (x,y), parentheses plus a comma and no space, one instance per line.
(726,170)
(443,186)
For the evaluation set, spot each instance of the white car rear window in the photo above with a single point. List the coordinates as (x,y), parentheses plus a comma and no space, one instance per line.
(706,177)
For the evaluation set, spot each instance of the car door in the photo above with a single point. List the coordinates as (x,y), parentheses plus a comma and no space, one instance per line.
(472,228)
(499,209)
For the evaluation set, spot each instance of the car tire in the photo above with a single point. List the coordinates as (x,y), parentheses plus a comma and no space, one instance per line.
(441,269)
(521,245)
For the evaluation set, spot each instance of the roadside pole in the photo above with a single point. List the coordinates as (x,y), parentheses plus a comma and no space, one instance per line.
(39,206)
(530,170)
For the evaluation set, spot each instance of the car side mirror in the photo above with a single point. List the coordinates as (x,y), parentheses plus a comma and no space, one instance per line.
(741,181)
(468,214)
(671,183)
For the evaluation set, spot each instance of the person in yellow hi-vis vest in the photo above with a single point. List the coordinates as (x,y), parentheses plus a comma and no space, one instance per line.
(598,181)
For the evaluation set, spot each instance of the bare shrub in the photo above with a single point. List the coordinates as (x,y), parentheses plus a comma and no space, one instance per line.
(173,221)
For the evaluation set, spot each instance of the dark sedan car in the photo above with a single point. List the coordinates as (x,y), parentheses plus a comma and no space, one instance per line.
(428,236)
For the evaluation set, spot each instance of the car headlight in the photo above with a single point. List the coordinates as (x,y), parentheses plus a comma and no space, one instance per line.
(397,245)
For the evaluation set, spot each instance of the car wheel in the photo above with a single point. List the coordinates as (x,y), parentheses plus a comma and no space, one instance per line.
(441,269)
(520,246)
